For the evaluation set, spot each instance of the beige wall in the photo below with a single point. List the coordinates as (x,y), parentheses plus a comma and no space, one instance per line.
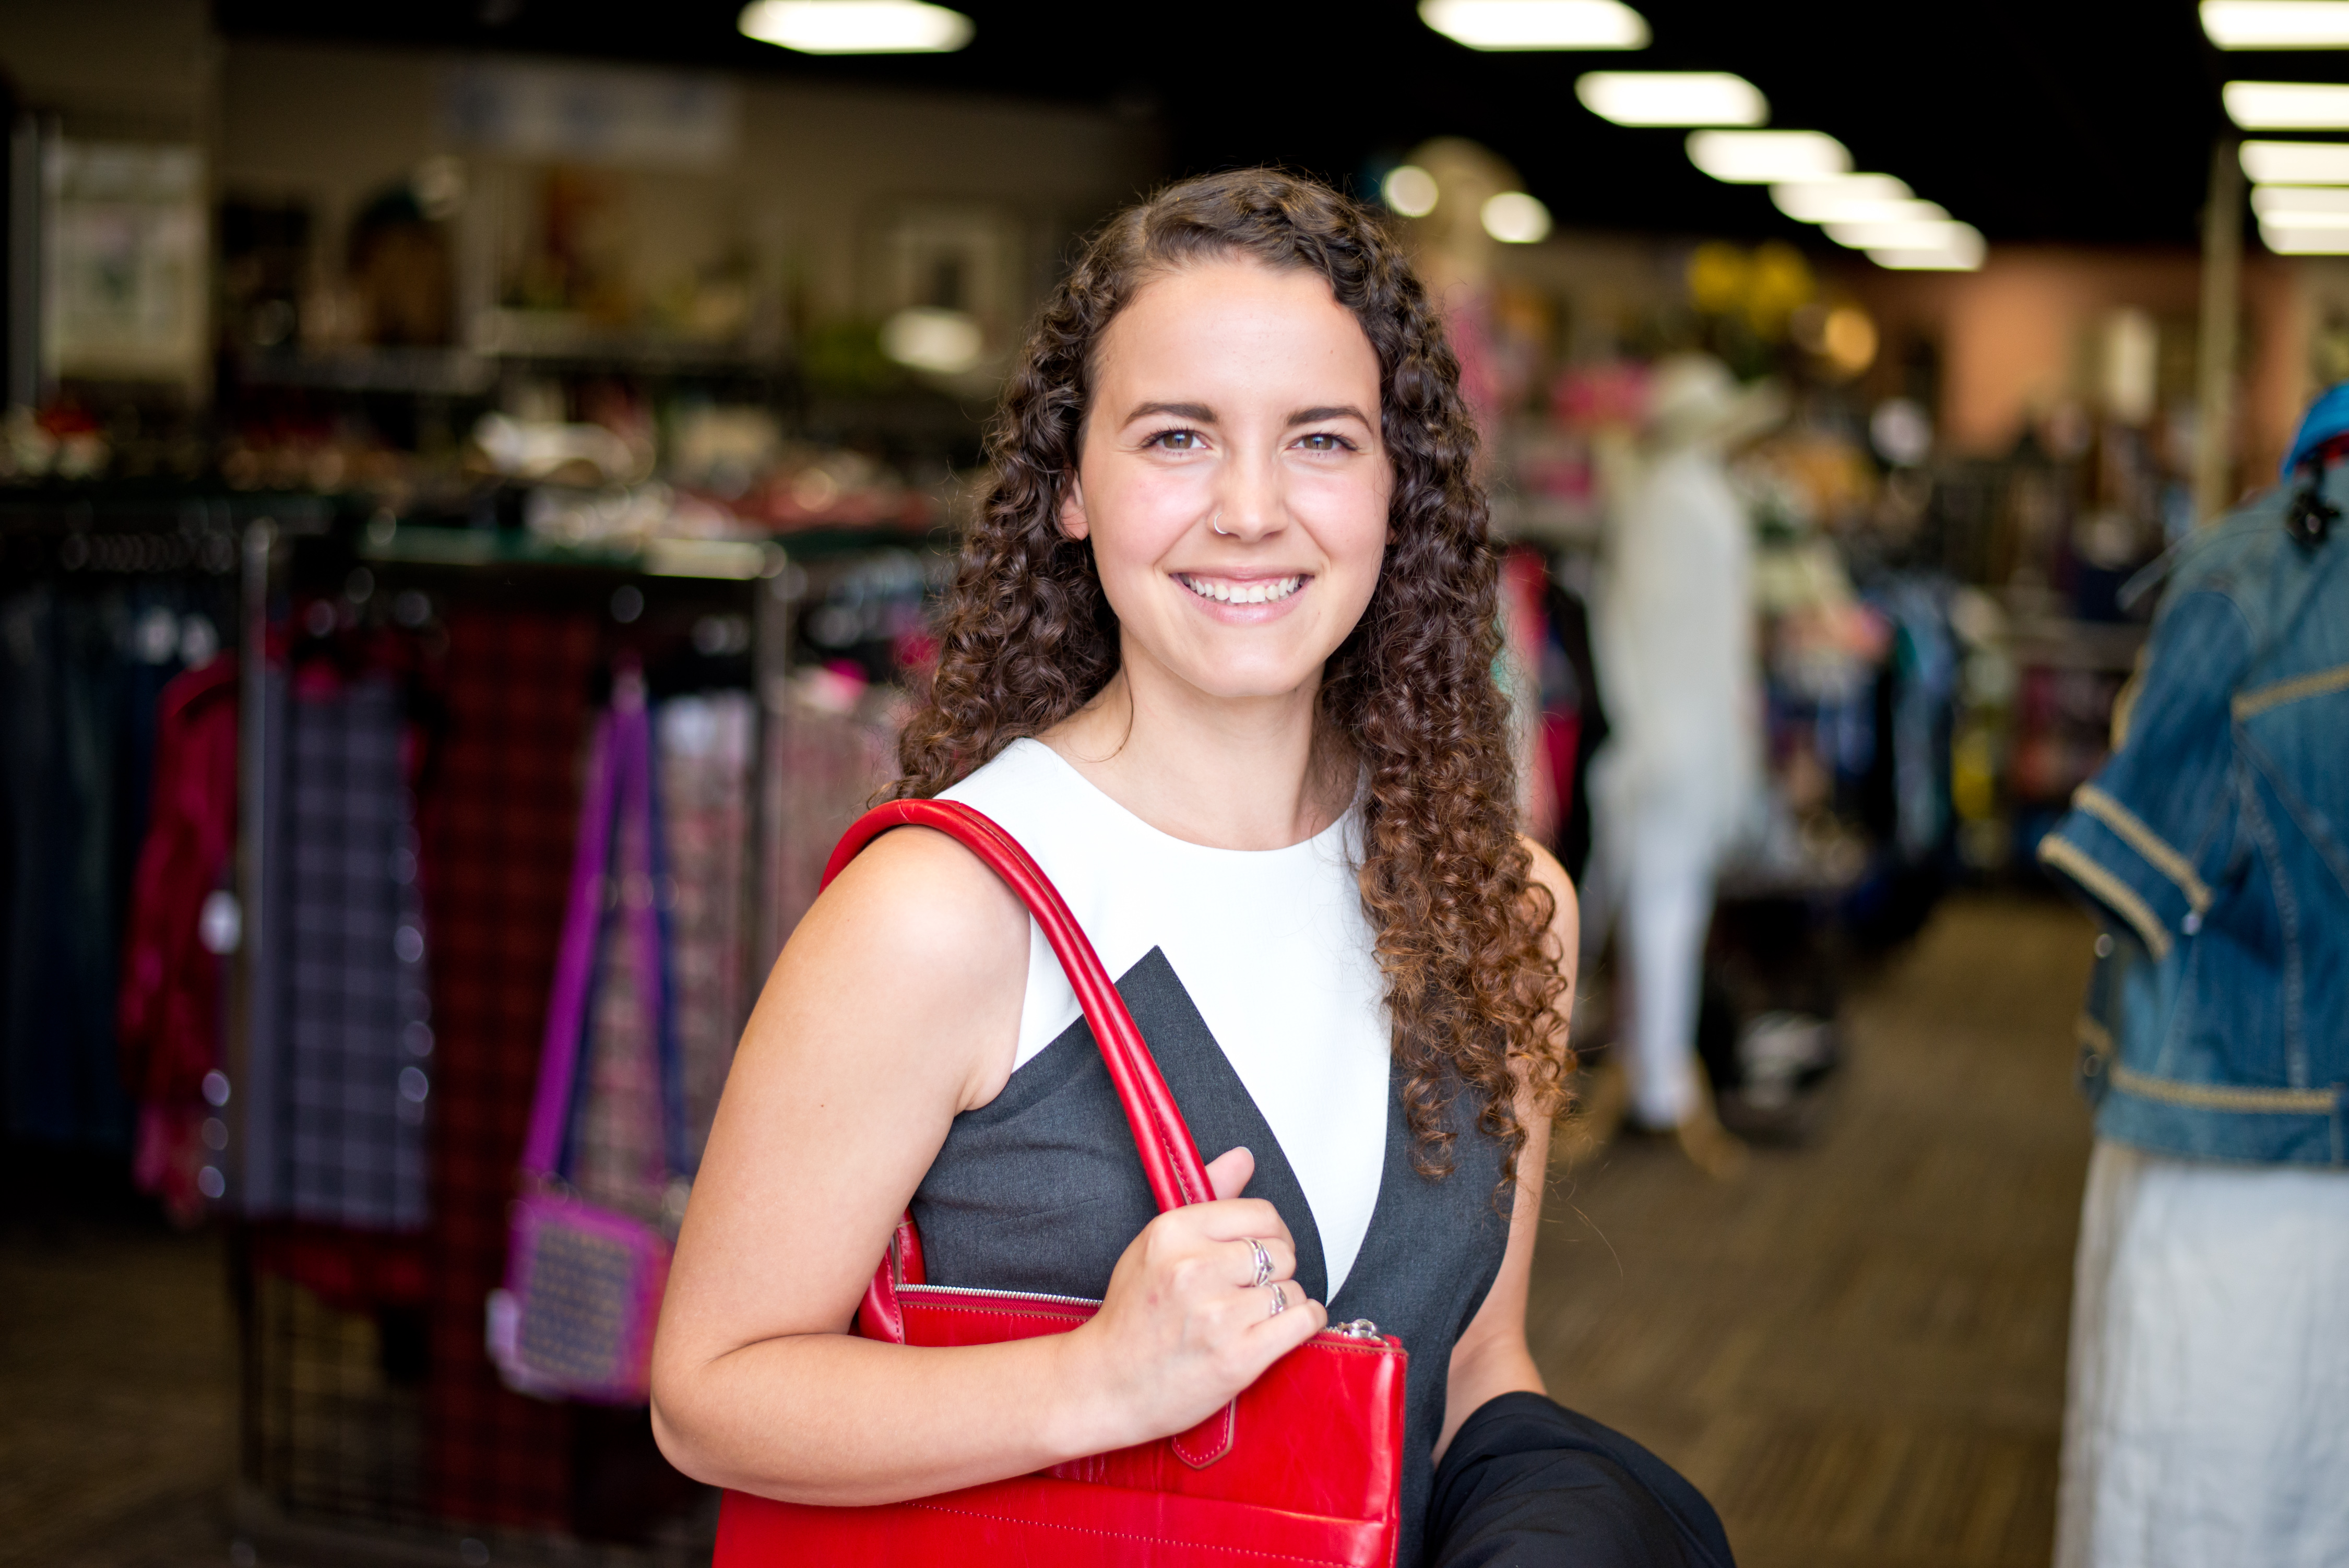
(131,69)
(2014,336)
(333,125)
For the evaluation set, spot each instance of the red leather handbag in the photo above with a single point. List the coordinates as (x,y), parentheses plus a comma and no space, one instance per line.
(1303,1468)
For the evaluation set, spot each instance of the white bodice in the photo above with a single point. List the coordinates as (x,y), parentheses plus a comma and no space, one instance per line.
(1272,946)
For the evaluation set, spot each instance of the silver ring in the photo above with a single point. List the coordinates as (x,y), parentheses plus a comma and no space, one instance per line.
(1263,1262)
(1279,1302)
(1217,523)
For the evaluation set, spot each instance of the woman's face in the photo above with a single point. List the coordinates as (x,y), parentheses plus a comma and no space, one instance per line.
(1232,480)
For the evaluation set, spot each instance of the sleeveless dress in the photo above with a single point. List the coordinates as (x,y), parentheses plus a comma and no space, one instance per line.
(1251,976)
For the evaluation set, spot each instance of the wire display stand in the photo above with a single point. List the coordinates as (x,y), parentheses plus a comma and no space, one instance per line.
(372,1427)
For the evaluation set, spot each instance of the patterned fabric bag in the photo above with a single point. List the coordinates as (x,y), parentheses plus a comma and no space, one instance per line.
(583,1278)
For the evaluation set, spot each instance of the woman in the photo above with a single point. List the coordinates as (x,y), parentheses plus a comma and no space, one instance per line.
(1220,655)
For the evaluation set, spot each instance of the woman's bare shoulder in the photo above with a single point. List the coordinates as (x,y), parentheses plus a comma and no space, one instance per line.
(916,934)
(1547,871)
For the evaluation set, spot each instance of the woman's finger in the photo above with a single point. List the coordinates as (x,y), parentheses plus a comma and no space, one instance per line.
(1228,1173)
(1257,1260)
(1275,1334)
(1228,1219)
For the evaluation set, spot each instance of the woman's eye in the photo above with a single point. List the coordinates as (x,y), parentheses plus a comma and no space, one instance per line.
(1322,441)
(1177,440)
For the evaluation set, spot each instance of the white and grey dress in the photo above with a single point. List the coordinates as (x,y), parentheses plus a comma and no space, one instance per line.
(1251,975)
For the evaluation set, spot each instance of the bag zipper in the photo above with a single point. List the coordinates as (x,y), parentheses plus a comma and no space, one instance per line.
(1359,1329)
(1002,1294)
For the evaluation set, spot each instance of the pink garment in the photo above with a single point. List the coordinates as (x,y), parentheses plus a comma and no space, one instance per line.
(168,1012)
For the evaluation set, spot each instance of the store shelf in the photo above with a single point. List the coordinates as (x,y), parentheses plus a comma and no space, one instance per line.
(732,560)
(444,372)
(567,338)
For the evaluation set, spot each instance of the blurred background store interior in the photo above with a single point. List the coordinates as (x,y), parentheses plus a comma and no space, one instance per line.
(383,383)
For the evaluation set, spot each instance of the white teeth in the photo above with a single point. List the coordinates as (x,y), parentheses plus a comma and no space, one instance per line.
(1264,592)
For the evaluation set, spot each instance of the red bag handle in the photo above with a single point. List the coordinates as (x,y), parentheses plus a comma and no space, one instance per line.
(1170,1159)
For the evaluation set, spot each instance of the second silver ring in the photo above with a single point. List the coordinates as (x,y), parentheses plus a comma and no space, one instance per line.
(1263,1262)
(1279,1302)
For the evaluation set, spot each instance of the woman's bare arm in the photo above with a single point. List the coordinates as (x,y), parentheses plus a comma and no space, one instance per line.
(1491,1358)
(894,1007)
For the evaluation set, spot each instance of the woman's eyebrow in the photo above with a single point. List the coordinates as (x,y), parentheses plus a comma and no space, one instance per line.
(1328,411)
(1199,411)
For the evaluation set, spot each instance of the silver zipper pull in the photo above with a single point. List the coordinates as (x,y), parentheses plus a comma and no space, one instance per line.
(1359,1329)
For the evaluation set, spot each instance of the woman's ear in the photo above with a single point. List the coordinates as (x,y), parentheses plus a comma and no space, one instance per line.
(1073,521)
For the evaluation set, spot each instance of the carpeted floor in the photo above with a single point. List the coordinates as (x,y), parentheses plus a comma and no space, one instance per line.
(118,1425)
(1856,1351)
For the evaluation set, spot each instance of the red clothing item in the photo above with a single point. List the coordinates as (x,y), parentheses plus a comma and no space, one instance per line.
(168,1013)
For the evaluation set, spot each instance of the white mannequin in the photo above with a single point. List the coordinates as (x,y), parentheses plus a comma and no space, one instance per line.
(1672,630)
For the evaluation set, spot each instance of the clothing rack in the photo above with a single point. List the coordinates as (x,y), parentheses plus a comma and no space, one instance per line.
(368,1407)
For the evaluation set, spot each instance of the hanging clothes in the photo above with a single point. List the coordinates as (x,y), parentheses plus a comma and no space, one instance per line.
(168,1014)
(78,692)
(355,999)
(499,817)
(704,752)
(1561,722)
(1526,643)
(1580,730)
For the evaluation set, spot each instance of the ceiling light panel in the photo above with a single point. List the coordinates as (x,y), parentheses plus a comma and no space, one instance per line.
(2297,163)
(2286,242)
(855,27)
(2277,24)
(1958,259)
(1673,98)
(1536,23)
(1514,218)
(1836,201)
(1410,191)
(1767,157)
(2287,105)
(2303,206)
(1920,234)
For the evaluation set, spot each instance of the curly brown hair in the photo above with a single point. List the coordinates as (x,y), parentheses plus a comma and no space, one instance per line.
(1027,638)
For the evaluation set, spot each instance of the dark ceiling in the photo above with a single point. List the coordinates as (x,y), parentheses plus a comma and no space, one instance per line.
(2046,121)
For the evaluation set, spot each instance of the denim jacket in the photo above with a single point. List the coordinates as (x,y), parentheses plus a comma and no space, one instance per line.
(2215,844)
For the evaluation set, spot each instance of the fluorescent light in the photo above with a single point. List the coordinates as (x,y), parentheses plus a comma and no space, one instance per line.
(1673,98)
(2277,24)
(1836,201)
(2297,163)
(2285,241)
(2287,105)
(2301,206)
(1960,259)
(1928,234)
(1410,191)
(855,27)
(1536,23)
(1767,157)
(945,341)
(1875,214)
(1514,218)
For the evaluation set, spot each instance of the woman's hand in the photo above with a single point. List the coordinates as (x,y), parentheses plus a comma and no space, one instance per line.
(1185,1326)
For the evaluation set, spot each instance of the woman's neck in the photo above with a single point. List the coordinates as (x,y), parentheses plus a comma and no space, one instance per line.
(1228,773)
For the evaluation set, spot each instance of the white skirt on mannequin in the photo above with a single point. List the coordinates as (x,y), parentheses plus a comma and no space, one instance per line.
(1663,879)
(2208,1416)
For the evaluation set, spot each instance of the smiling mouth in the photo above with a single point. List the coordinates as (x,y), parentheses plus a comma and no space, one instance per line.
(1260,591)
